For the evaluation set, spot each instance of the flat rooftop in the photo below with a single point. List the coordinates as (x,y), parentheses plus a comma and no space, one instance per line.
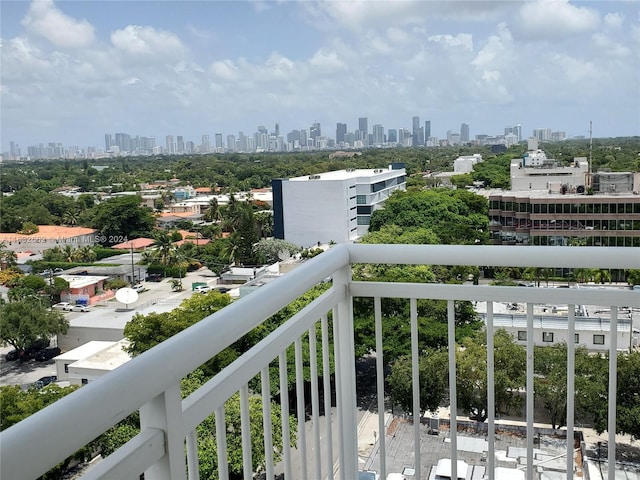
(344,174)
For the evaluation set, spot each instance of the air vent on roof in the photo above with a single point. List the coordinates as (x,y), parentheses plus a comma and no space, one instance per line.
(378,170)
(314,177)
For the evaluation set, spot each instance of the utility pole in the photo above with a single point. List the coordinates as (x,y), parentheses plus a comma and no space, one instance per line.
(133,272)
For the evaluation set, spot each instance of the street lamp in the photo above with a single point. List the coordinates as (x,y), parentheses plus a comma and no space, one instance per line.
(133,272)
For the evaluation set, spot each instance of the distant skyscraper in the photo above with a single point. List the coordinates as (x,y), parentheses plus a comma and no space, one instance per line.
(464,133)
(341,131)
(123,140)
(378,134)
(170,144)
(416,132)
(231,143)
(363,126)
(276,131)
(515,130)
(108,141)
(180,144)
(392,136)
(314,131)
(427,130)
(219,142)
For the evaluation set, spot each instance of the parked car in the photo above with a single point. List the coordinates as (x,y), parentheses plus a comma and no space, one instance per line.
(202,289)
(79,308)
(61,306)
(223,289)
(44,381)
(12,355)
(138,287)
(47,354)
(154,277)
(29,352)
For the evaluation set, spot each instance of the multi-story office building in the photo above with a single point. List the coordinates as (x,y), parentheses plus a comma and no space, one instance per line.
(363,125)
(180,144)
(464,133)
(315,131)
(427,131)
(219,142)
(332,206)
(417,132)
(378,135)
(341,131)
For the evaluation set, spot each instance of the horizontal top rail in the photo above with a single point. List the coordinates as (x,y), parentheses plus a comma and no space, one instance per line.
(487,293)
(497,255)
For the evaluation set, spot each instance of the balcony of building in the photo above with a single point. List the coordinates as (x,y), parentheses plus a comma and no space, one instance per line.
(316,337)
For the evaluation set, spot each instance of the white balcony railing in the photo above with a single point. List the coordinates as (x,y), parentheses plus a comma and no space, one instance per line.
(150,383)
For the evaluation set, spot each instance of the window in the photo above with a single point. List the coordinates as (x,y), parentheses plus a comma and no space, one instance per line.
(364,220)
(66,368)
(577,338)
(361,199)
(598,339)
(364,210)
(547,337)
(84,381)
(522,335)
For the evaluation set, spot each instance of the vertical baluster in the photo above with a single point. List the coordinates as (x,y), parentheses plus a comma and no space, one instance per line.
(613,388)
(571,396)
(265,385)
(453,422)
(245,427)
(530,404)
(346,365)
(382,450)
(221,443)
(491,393)
(193,467)
(415,379)
(326,388)
(165,412)
(338,385)
(284,411)
(300,407)
(315,401)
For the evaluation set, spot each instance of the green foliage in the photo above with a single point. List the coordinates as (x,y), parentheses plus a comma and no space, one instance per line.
(494,172)
(17,404)
(122,217)
(433,370)
(24,321)
(29,228)
(455,216)
(146,331)
(471,374)
(270,250)
(115,284)
(633,277)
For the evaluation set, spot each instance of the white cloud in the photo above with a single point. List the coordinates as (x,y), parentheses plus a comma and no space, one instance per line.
(464,40)
(137,40)
(326,61)
(609,46)
(45,20)
(613,20)
(225,70)
(553,19)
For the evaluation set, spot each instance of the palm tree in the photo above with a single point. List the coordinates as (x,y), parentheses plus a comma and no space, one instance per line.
(8,258)
(67,253)
(213,214)
(70,218)
(164,247)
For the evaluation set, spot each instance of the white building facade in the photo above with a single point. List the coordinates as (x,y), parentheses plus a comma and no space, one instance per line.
(333,206)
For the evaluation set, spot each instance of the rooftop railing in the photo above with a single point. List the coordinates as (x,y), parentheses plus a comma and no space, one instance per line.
(167,445)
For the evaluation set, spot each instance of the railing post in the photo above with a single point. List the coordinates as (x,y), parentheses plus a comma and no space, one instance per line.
(345,368)
(165,412)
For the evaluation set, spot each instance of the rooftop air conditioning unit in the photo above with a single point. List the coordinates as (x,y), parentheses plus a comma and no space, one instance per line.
(378,170)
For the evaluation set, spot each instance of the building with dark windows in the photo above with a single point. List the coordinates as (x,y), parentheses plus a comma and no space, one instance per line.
(333,206)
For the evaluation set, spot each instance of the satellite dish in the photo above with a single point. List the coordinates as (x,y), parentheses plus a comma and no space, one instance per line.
(126,295)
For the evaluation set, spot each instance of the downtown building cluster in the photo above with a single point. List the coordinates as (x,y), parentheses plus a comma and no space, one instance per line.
(297,140)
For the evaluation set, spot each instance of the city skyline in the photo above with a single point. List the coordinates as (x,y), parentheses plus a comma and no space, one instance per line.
(75,70)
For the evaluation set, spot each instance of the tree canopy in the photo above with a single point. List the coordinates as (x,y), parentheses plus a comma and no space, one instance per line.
(24,321)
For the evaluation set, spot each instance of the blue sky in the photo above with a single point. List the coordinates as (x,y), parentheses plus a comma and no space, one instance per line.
(73,71)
